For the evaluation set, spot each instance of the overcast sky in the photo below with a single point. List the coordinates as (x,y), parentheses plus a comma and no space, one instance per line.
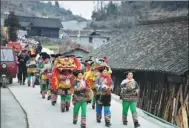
(83,8)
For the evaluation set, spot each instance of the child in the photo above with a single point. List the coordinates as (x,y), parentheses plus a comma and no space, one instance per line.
(104,84)
(129,95)
(80,99)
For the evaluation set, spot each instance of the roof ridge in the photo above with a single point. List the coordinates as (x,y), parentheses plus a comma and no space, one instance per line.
(37,17)
(165,20)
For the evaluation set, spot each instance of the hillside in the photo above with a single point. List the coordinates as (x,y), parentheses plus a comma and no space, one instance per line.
(38,9)
(126,14)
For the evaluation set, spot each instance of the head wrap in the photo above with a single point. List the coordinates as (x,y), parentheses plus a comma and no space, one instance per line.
(33,55)
(45,56)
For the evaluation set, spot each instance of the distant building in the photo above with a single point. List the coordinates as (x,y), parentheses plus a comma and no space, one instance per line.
(85,37)
(73,48)
(77,52)
(35,26)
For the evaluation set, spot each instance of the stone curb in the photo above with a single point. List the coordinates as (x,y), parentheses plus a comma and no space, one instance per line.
(26,116)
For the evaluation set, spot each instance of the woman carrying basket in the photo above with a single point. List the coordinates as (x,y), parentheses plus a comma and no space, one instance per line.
(80,98)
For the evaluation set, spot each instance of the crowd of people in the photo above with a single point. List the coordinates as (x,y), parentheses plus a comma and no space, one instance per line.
(79,83)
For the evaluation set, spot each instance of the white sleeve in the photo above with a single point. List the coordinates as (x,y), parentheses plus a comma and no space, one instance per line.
(123,82)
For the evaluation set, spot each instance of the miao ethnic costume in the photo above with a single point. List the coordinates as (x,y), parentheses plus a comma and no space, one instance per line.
(40,67)
(80,99)
(31,70)
(129,96)
(89,77)
(49,90)
(45,74)
(54,92)
(62,79)
(104,86)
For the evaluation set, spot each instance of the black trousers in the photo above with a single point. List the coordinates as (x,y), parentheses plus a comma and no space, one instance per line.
(22,76)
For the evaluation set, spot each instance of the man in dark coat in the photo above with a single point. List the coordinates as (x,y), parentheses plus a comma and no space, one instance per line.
(39,48)
(22,60)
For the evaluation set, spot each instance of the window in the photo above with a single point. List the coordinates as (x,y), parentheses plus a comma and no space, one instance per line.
(7,55)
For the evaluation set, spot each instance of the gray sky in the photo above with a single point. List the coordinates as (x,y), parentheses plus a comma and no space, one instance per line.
(83,8)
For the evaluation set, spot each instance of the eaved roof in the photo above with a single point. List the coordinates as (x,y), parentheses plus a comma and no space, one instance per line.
(77,48)
(153,47)
(25,24)
(69,46)
(40,22)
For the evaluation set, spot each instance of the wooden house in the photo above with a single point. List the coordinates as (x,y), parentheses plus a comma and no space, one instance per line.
(36,26)
(158,54)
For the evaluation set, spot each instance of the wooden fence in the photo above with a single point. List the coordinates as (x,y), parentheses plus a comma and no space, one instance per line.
(170,102)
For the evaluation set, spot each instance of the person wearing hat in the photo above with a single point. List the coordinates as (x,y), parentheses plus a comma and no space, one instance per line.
(89,77)
(44,71)
(22,69)
(79,98)
(31,70)
(129,96)
(104,85)
(105,61)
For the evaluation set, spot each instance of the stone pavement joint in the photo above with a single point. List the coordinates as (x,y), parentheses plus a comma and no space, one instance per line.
(26,116)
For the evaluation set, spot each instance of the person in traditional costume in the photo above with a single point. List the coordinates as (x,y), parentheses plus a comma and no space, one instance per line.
(40,67)
(31,70)
(44,74)
(104,85)
(129,96)
(62,79)
(89,77)
(52,59)
(53,89)
(81,61)
(79,98)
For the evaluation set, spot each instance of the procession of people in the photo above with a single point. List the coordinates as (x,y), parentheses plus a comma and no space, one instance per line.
(78,83)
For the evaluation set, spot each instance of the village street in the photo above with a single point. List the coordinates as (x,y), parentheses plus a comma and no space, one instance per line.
(41,114)
(11,112)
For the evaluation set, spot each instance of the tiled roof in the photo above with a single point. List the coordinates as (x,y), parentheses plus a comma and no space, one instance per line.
(41,22)
(153,47)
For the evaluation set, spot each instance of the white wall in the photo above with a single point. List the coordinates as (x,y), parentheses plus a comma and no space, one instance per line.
(74,25)
(96,42)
